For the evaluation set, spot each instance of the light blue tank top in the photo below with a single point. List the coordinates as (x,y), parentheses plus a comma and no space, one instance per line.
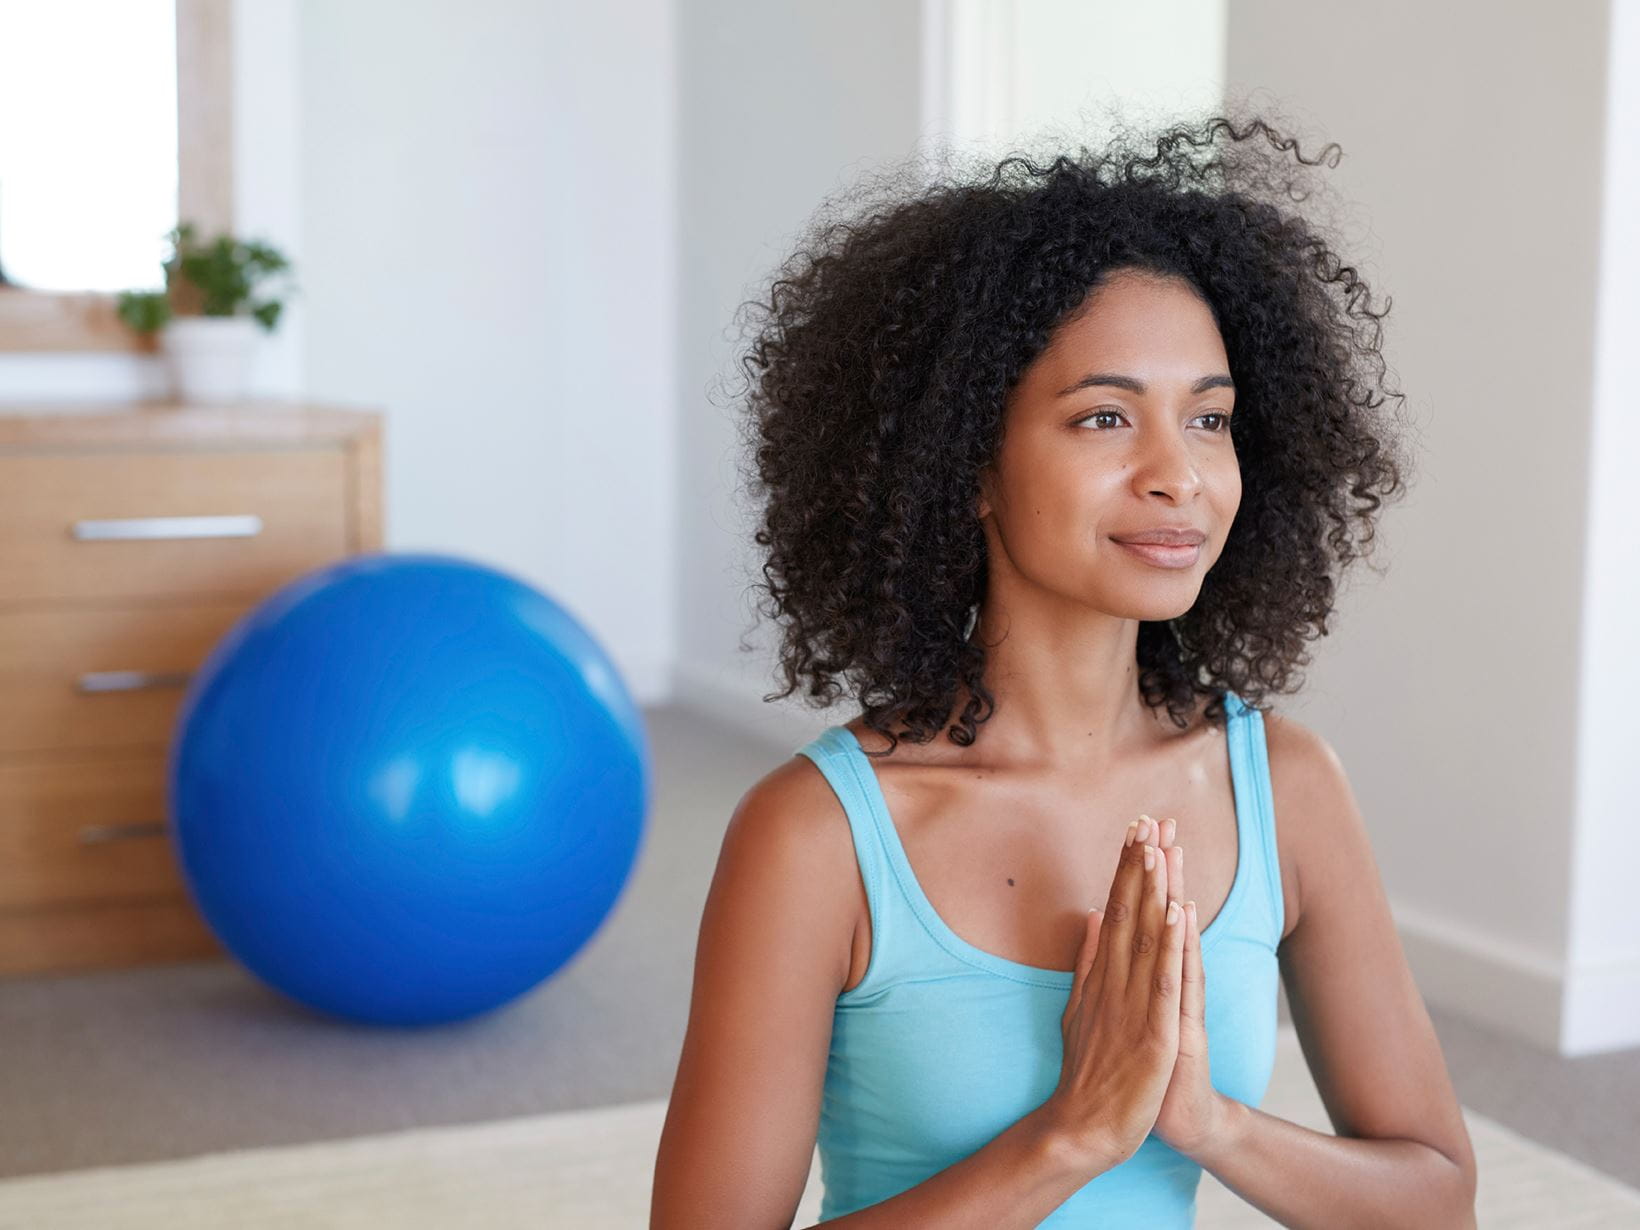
(942,1046)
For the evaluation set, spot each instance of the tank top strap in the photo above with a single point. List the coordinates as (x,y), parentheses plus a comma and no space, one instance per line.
(1264,917)
(901,947)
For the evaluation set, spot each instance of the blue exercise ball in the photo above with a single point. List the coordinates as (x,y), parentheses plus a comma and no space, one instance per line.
(407,788)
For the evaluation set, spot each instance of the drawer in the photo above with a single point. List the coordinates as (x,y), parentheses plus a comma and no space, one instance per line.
(179,523)
(85,832)
(104,936)
(83,678)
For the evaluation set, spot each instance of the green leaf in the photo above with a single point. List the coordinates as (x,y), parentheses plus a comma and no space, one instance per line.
(143,310)
(227,272)
(267,313)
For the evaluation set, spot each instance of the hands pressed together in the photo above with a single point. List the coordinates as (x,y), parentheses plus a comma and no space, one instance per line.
(1134,1029)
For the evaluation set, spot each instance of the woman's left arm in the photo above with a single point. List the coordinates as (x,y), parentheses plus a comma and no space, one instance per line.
(1402,1155)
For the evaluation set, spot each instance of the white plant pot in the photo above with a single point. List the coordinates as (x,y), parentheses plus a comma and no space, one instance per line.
(209,356)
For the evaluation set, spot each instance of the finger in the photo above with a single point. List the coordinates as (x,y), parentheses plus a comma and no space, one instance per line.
(1148,930)
(1164,831)
(1166,981)
(1115,954)
(1136,831)
(1192,982)
(1084,962)
(1175,873)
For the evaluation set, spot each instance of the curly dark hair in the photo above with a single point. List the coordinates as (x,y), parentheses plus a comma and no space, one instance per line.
(876,380)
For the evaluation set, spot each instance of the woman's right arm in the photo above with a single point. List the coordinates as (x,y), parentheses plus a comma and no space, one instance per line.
(773,955)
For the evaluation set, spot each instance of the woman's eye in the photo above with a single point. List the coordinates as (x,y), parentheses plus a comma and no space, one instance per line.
(1222,426)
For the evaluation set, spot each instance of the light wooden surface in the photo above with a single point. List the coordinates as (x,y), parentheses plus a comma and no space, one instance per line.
(102,935)
(46,858)
(99,638)
(297,493)
(102,425)
(45,650)
(205,150)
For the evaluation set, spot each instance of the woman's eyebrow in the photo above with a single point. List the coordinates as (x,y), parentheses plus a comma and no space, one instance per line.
(1221,381)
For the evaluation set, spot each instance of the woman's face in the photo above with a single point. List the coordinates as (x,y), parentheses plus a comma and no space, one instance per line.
(1120,426)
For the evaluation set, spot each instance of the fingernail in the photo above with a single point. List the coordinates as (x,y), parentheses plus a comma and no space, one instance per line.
(1144,827)
(1172,912)
(1150,857)
(1094,910)
(1133,830)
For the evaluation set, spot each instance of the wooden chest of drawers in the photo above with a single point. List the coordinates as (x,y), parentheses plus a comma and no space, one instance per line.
(131,540)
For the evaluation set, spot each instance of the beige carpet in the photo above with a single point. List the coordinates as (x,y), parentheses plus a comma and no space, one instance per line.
(591,1169)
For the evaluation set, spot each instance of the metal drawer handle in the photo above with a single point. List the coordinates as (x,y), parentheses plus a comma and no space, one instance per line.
(98,834)
(169,527)
(131,681)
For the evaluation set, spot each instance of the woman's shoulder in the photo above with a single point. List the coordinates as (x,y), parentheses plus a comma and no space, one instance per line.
(790,835)
(793,796)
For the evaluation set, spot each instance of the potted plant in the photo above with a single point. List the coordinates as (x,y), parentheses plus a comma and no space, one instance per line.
(208,314)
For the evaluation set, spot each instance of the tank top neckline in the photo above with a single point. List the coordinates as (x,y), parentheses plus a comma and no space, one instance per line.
(889,837)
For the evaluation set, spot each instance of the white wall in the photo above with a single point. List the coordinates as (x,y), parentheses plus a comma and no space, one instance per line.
(780,105)
(267,198)
(1456,691)
(1005,70)
(1602,1002)
(488,211)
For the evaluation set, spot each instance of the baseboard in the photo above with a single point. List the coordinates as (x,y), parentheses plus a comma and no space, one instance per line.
(1602,1008)
(649,682)
(1497,984)
(1568,1011)
(736,700)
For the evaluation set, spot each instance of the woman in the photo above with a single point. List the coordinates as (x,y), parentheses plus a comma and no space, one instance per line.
(1059,468)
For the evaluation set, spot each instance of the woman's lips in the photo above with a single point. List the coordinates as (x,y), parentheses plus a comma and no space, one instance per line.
(1162,557)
